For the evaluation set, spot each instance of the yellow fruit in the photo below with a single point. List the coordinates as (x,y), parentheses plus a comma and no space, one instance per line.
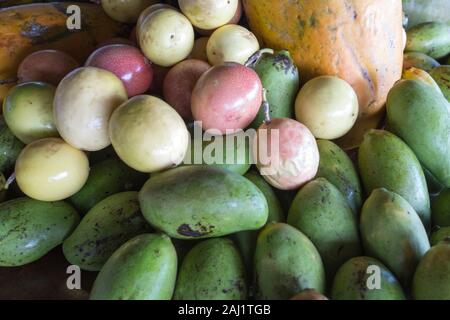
(209,14)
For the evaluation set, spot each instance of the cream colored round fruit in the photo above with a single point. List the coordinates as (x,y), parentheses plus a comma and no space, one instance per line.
(231,43)
(84,102)
(328,106)
(209,14)
(126,11)
(51,170)
(148,11)
(148,134)
(166,37)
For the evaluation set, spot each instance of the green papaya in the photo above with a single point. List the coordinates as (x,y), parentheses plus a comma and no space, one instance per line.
(193,202)
(280,77)
(442,77)
(286,262)
(337,167)
(439,235)
(419,60)
(431,38)
(421,117)
(385,161)
(108,225)
(106,178)
(144,268)
(212,270)
(419,11)
(392,232)
(441,209)
(29,229)
(352,281)
(432,277)
(322,213)
(10,147)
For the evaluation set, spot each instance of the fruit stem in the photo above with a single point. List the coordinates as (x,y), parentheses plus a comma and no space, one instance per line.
(251,62)
(10,180)
(266,107)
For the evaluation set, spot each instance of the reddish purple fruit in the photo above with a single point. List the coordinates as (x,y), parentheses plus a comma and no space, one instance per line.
(127,63)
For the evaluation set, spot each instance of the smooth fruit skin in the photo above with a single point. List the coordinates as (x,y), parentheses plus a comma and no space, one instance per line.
(50,66)
(439,235)
(432,277)
(10,147)
(127,11)
(179,84)
(148,134)
(144,268)
(108,225)
(148,11)
(231,43)
(106,178)
(31,228)
(392,232)
(51,170)
(286,262)
(421,117)
(212,270)
(350,282)
(419,11)
(336,166)
(209,14)
(196,202)
(227,97)
(28,111)
(322,213)
(309,294)
(127,63)
(385,161)
(441,75)
(431,38)
(295,158)
(440,209)
(419,60)
(84,102)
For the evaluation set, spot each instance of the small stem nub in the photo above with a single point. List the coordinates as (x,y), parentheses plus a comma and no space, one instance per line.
(266,107)
(251,62)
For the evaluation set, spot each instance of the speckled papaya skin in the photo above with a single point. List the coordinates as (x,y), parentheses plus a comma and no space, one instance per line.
(29,229)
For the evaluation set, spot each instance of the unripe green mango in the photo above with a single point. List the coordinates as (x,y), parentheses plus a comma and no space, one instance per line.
(106,178)
(352,281)
(431,38)
(10,147)
(419,60)
(385,161)
(144,268)
(29,229)
(421,117)
(336,166)
(441,209)
(108,225)
(280,77)
(419,11)
(432,277)
(440,235)
(212,270)
(286,262)
(392,232)
(442,77)
(201,201)
(322,213)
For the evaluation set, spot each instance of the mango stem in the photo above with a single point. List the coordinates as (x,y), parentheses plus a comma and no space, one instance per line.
(251,62)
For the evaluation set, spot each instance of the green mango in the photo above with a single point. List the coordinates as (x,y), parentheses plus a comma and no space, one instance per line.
(106,178)
(419,60)
(10,148)
(419,11)
(144,268)
(108,225)
(440,208)
(280,77)
(431,38)
(337,167)
(286,262)
(352,281)
(421,117)
(322,213)
(439,235)
(212,270)
(29,229)
(392,232)
(385,161)
(432,277)
(194,202)
(434,186)
(442,77)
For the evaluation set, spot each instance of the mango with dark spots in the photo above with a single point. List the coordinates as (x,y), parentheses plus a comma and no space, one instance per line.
(29,229)
(212,270)
(144,268)
(10,147)
(107,226)
(194,202)
(365,278)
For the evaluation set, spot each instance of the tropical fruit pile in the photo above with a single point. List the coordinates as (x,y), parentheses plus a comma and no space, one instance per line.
(226,149)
